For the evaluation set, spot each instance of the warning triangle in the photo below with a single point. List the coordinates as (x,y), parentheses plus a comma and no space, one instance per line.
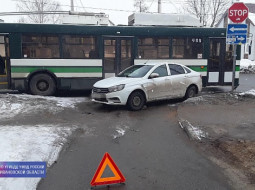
(99,180)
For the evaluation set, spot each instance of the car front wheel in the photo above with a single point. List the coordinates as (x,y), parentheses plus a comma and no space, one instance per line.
(136,101)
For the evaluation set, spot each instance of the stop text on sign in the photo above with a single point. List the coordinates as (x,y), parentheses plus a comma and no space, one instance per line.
(238,12)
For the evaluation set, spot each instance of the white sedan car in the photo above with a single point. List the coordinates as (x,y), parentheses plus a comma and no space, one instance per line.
(147,82)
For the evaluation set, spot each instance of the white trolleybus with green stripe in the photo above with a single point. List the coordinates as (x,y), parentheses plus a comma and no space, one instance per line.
(43,58)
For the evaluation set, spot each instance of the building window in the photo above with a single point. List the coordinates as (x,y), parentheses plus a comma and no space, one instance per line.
(153,48)
(80,47)
(40,46)
(187,48)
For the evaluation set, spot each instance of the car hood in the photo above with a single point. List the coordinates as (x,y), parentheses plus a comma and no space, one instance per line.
(113,81)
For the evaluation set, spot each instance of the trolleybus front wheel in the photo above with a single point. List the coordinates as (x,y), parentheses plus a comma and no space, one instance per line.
(42,84)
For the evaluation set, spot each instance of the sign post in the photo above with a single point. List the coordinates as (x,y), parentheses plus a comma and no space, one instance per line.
(237,33)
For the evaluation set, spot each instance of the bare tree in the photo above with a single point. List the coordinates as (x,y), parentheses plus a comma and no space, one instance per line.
(207,11)
(219,7)
(39,7)
(140,5)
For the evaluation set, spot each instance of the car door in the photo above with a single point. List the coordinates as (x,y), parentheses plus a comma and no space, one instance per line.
(156,87)
(178,81)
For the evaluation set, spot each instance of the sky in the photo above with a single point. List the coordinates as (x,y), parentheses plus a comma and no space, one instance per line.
(117,17)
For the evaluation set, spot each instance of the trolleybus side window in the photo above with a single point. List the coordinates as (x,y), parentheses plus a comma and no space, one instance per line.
(40,46)
(153,48)
(82,47)
(187,48)
(2,54)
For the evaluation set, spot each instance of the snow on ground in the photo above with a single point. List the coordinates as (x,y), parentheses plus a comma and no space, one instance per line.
(250,93)
(193,132)
(120,131)
(30,143)
(247,66)
(195,100)
(12,104)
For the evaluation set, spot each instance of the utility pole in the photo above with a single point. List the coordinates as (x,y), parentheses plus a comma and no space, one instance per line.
(72,6)
(159,6)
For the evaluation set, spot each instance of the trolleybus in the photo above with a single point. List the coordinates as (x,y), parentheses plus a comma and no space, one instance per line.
(44,58)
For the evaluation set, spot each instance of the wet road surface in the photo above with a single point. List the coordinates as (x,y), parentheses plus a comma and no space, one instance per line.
(153,153)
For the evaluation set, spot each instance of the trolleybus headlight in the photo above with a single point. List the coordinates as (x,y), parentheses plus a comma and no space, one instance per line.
(116,88)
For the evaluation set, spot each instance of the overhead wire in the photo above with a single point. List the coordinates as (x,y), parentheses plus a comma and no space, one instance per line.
(63,5)
(82,5)
(151,4)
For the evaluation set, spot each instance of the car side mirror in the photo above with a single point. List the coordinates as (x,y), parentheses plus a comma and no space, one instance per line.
(154,75)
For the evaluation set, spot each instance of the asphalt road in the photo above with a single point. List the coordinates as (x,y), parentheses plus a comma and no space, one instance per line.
(247,82)
(154,153)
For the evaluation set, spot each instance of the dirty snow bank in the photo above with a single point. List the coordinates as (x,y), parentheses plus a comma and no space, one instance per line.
(247,66)
(195,133)
(12,105)
(30,143)
(195,100)
(250,93)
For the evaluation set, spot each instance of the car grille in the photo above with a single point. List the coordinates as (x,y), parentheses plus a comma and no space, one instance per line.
(100,90)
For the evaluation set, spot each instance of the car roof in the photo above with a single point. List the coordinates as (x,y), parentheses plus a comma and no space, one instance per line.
(158,63)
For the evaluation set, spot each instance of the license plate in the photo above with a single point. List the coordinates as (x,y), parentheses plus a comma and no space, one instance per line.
(98,96)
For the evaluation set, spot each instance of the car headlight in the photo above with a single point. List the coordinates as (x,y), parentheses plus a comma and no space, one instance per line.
(116,88)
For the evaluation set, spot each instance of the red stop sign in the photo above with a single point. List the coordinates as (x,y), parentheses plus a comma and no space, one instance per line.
(238,12)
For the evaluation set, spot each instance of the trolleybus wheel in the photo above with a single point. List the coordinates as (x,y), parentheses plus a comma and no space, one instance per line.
(42,84)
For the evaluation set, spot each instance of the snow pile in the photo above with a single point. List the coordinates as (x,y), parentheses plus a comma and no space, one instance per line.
(30,143)
(250,93)
(247,66)
(195,133)
(12,105)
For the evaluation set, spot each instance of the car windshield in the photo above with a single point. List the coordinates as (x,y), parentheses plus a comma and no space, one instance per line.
(135,71)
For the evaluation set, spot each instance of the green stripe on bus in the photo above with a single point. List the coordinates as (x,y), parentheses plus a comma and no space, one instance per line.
(57,69)
(199,69)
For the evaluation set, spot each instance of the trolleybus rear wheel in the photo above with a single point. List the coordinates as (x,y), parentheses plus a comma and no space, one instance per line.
(42,84)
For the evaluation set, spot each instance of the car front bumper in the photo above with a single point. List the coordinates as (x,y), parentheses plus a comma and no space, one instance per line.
(113,98)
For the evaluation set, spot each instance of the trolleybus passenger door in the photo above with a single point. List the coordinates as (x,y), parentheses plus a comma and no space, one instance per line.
(220,62)
(215,61)
(4,62)
(118,55)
